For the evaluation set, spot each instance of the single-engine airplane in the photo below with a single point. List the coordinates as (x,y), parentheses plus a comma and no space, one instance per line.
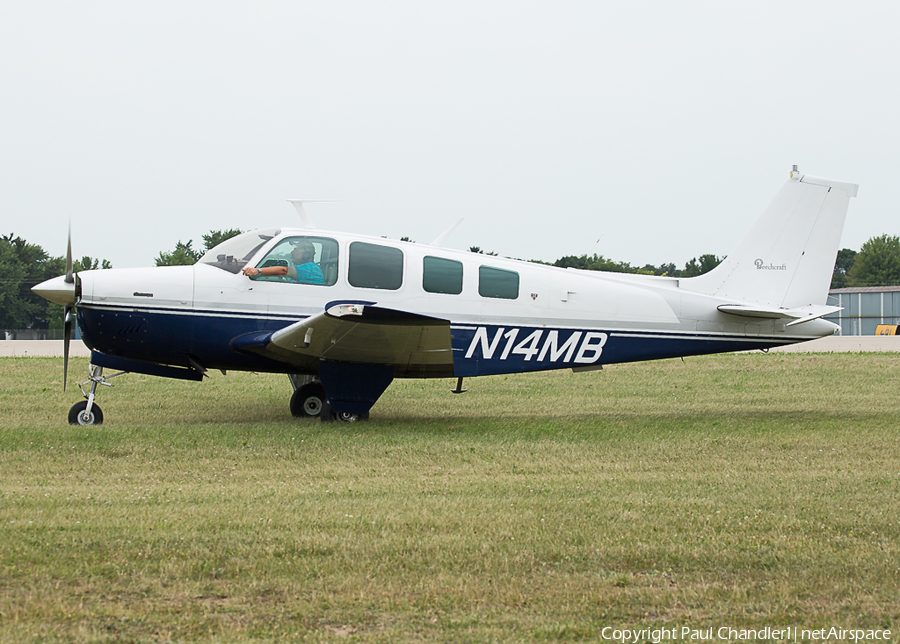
(343,315)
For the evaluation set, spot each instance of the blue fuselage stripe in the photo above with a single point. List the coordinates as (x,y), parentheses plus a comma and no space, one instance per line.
(170,336)
(490,349)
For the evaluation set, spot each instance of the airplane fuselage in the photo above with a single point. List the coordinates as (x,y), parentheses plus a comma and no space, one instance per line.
(343,315)
(504,315)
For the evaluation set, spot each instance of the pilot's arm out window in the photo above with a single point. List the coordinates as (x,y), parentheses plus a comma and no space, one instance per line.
(301,260)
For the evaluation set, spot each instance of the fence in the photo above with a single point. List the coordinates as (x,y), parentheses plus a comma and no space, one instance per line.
(37,334)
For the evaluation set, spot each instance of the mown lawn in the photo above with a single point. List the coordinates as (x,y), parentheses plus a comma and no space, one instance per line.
(742,490)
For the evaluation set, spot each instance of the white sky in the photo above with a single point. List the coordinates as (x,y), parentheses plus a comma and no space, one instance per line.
(657,128)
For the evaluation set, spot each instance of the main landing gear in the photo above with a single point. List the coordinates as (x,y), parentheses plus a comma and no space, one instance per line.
(87,412)
(309,401)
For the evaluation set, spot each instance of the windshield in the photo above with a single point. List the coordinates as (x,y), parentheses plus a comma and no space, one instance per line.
(233,254)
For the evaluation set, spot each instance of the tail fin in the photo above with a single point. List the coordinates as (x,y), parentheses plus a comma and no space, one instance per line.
(786,260)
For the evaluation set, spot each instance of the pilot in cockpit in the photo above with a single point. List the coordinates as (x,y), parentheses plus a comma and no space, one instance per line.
(302,268)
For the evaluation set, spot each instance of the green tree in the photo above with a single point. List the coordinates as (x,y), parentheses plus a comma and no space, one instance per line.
(697,266)
(668,270)
(22,265)
(183,255)
(704,264)
(88,263)
(877,263)
(842,265)
(597,262)
(216,237)
(571,261)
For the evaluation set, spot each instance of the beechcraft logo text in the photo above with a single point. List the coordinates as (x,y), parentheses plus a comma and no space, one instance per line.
(762,266)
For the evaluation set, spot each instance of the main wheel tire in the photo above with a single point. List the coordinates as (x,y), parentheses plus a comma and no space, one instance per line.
(78,417)
(308,401)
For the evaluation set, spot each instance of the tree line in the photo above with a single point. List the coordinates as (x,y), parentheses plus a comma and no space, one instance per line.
(22,265)
(877,263)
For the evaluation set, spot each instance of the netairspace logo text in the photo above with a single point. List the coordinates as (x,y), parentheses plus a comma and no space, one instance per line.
(728,634)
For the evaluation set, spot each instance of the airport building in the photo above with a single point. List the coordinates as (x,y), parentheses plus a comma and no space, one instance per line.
(865,309)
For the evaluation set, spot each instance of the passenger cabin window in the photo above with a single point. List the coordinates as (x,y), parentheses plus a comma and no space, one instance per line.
(499,283)
(307,260)
(375,266)
(441,275)
(234,253)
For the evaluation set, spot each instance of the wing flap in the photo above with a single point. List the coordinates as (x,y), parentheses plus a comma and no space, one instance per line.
(414,344)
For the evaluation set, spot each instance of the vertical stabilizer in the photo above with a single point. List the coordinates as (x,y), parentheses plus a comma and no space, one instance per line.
(787,258)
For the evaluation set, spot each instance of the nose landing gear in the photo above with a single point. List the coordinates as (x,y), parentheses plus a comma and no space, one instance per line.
(87,412)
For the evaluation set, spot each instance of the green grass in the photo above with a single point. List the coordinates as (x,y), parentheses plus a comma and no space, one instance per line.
(742,490)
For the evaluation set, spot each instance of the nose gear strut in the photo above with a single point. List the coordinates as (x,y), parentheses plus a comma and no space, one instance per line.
(87,412)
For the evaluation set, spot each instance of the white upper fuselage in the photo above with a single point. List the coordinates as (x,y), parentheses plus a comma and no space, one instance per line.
(547,297)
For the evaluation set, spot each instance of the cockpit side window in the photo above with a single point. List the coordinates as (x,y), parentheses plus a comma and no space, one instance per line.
(307,260)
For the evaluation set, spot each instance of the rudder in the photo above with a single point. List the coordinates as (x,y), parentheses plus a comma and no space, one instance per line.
(787,258)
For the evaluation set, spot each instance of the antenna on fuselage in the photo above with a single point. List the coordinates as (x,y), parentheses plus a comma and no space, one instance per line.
(442,239)
(304,216)
(596,244)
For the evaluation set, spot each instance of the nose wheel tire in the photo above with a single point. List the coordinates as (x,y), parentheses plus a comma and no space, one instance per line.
(328,415)
(77,415)
(349,418)
(308,401)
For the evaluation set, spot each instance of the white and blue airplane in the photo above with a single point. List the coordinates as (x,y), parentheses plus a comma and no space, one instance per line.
(343,315)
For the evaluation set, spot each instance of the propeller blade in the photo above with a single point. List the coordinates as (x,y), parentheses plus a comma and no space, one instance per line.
(67,335)
(69,277)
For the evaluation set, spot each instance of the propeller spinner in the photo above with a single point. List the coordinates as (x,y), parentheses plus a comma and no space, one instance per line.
(61,290)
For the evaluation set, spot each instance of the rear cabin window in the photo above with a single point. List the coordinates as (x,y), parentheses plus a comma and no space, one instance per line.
(375,266)
(498,283)
(441,275)
(308,260)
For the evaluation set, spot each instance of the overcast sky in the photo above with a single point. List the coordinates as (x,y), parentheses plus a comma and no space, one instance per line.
(647,132)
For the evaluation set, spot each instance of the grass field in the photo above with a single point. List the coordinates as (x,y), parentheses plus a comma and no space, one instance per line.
(743,491)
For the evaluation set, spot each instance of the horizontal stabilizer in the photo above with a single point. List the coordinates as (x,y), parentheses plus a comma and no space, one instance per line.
(796,315)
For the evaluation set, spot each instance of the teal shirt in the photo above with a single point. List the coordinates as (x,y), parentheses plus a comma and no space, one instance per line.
(309,273)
